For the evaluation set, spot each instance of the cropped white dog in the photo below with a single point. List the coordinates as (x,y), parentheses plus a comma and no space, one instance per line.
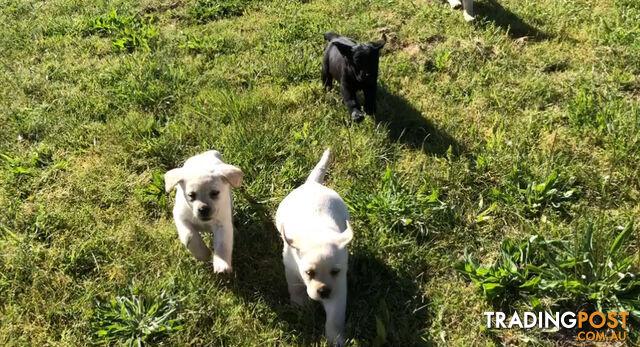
(204,205)
(314,223)
(467,8)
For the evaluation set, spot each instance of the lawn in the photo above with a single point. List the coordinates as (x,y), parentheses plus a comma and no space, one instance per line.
(523,126)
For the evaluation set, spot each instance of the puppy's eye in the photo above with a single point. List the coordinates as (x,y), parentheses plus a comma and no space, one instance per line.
(310,273)
(335,272)
(214,194)
(191,196)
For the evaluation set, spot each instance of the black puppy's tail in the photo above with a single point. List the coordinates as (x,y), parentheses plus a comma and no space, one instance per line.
(330,35)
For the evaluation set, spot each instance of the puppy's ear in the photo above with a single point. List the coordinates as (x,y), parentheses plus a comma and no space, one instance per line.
(346,236)
(345,47)
(172,178)
(380,43)
(231,174)
(285,238)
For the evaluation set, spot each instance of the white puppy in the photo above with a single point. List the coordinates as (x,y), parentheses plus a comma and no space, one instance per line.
(467,8)
(314,223)
(204,205)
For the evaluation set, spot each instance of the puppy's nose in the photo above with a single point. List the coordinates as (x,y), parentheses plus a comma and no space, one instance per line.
(324,292)
(204,210)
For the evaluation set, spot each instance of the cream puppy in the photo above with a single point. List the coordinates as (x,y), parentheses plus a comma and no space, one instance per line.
(314,223)
(467,8)
(204,205)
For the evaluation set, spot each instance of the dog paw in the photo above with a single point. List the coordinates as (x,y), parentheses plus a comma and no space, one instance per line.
(357,116)
(468,17)
(221,267)
(455,4)
(336,341)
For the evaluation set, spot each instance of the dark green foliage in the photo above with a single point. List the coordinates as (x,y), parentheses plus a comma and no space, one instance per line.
(127,32)
(153,195)
(135,319)
(553,193)
(568,275)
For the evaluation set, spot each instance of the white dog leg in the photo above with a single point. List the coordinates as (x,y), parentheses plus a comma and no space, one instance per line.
(222,248)
(334,325)
(297,289)
(468,10)
(455,4)
(193,241)
(295,284)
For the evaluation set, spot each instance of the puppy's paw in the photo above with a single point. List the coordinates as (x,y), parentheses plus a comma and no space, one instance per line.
(455,4)
(220,266)
(357,116)
(468,17)
(336,341)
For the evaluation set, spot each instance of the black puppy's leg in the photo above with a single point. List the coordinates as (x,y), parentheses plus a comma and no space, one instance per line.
(370,99)
(327,80)
(349,97)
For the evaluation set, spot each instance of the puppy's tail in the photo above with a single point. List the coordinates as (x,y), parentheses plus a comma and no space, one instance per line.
(330,35)
(317,175)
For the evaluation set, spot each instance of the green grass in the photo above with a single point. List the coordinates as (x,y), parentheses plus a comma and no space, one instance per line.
(483,140)
(571,275)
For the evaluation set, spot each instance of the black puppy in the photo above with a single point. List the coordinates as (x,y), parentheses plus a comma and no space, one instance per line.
(356,67)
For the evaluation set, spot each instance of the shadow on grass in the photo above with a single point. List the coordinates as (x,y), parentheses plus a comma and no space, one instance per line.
(507,20)
(376,292)
(410,127)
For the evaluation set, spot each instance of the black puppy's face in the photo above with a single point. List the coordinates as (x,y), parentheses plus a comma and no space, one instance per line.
(365,61)
(363,58)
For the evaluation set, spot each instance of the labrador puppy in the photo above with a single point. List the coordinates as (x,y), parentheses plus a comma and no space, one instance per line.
(355,66)
(467,8)
(204,204)
(313,221)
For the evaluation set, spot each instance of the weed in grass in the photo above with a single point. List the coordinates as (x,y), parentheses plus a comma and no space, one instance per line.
(555,193)
(127,32)
(564,274)
(136,319)
(441,60)
(153,195)
(41,157)
(548,193)
(16,166)
(394,205)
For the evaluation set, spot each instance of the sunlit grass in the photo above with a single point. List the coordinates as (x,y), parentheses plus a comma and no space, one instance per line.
(524,123)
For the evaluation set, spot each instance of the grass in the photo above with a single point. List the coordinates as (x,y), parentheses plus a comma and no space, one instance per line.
(135,320)
(518,132)
(568,275)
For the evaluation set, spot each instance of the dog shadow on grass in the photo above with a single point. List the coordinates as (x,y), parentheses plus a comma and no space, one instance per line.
(383,306)
(410,127)
(494,12)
